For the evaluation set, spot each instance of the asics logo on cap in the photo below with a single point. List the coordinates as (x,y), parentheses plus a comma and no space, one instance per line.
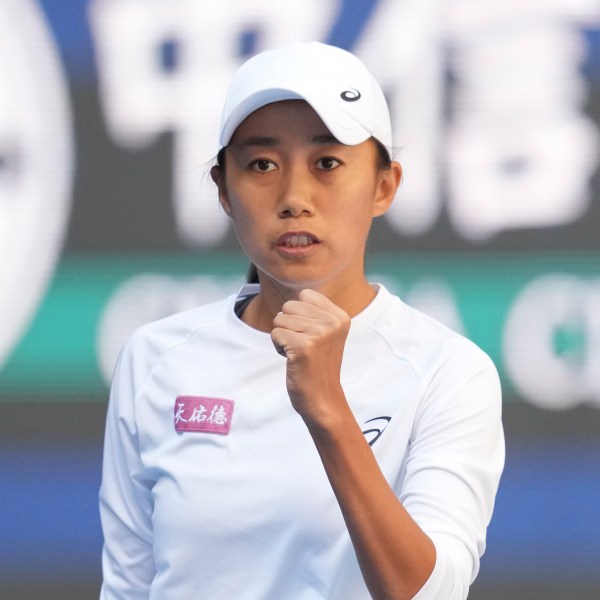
(351,95)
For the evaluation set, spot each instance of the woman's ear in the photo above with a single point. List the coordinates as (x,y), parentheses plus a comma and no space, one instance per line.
(217,174)
(389,181)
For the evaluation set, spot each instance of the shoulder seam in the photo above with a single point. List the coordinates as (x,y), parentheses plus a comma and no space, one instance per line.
(163,354)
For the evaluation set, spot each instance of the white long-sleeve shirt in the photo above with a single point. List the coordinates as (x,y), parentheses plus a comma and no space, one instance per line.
(212,487)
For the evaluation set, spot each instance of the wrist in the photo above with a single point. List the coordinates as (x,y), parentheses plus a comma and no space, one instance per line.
(327,415)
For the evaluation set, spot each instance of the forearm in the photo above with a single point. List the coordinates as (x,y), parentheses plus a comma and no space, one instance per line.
(395,556)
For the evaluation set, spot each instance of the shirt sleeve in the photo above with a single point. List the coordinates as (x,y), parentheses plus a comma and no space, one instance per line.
(125,498)
(453,469)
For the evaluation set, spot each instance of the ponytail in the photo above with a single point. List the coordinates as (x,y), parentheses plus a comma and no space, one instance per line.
(252,275)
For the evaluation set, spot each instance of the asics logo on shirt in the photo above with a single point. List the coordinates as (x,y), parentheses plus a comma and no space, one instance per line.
(377,427)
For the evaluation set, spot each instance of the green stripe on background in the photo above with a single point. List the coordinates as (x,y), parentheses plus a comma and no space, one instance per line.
(57,356)
(58,353)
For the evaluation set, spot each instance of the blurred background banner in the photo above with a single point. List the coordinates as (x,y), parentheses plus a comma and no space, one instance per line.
(108,121)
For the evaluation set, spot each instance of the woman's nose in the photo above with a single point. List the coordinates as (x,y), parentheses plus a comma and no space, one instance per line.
(296,194)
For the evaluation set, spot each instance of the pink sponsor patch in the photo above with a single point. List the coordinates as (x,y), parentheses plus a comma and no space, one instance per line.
(200,413)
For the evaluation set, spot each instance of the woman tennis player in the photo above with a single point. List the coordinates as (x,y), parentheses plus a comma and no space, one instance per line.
(312,437)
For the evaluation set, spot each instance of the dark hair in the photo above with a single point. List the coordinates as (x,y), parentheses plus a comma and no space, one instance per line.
(252,274)
(384,160)
(384,163)
(221,158)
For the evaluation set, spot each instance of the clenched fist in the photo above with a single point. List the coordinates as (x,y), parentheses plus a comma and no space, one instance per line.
(311,333)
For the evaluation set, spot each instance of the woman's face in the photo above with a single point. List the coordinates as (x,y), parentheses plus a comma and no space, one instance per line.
(301,202)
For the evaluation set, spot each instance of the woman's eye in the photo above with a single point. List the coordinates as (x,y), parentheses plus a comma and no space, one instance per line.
(327,163)
(263,165)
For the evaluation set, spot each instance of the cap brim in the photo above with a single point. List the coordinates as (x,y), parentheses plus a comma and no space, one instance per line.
(343,127)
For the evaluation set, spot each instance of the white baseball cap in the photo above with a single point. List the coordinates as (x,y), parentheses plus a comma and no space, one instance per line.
(335,83)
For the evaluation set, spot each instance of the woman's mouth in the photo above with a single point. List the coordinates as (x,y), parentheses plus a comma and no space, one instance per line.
(295,243)
(297,240)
